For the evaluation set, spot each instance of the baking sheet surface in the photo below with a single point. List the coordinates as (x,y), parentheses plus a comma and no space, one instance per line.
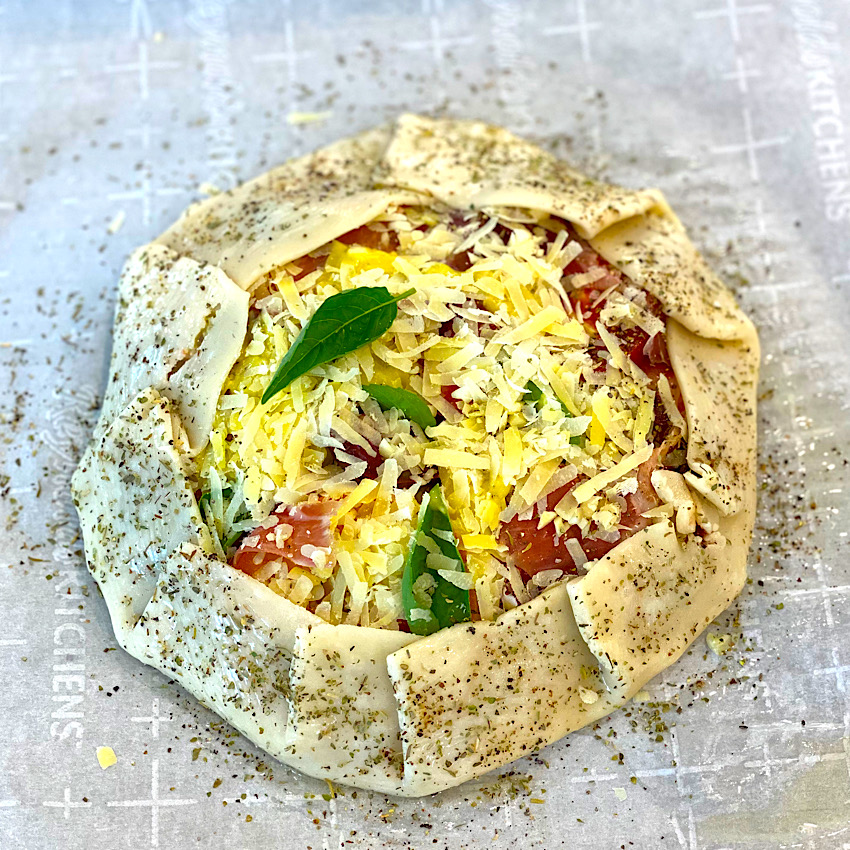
(113,114)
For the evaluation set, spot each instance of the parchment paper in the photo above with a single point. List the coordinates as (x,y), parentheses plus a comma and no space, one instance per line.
(112,114)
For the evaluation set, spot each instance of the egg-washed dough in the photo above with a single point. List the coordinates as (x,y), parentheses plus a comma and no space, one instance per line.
(379,709)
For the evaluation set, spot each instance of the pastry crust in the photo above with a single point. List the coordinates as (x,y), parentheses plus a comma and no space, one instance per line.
(179,327)
(379,709)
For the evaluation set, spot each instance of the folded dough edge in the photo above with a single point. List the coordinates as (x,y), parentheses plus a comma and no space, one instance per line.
(233,239)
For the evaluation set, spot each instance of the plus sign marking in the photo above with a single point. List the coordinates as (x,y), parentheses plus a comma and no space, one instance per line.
(742,75)
(750,146)
(154,802)
(733,12)
(154,719)
(67,804)
(143,66)
(838,670)
(437,43)
(582,28)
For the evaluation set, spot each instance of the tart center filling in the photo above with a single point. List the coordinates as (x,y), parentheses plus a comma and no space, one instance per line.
(501,433)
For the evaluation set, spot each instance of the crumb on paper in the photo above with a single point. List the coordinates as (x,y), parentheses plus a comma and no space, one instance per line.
(106,757)
(297,118)
(117,223)
(620,793)
(209,189)
(719,644)
(642,696)
(158,37)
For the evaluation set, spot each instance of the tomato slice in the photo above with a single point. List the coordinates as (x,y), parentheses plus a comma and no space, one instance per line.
(649,353)
(294,527)
(308,264)
(533,550)
(587,297)
(373,462)
(365,237)
(447,391)
(536,550)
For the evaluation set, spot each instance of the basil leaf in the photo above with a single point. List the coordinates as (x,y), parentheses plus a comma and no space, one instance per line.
(422,588)
(413,406)
(537,397)
(342,323)
(535,392)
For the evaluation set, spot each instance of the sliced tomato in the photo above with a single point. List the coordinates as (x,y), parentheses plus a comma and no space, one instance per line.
(643,499)
(460,262)
(373,461)
(368,238)
(294,527)
(448,393)
(536,550)
(308,264)
(447,329)
(649,353)
(533,550)
(373,464)
(587,297)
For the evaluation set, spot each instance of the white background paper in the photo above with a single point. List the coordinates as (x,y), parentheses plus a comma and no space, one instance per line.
(738,109)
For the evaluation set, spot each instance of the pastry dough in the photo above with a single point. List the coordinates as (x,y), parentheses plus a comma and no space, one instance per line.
(379,709)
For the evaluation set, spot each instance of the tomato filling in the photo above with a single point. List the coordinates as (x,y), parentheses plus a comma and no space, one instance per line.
(448,393)
(302,536)
(373,463)
(293,534)
(535,550)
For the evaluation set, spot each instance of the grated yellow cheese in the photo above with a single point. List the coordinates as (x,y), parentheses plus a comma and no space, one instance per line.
(618,357)
(553,376)
(538,479)
(455,459)
(533,326)
(603,411)
(518,297)
(643,419)
(482,542)
(512,458)
(294,450)
(359,494)
(291,297)
(106,757)
(486,333)
(589,488)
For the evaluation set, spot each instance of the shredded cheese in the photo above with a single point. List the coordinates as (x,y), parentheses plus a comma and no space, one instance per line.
(106,757)
(528,398)
(589,488)
(455,459)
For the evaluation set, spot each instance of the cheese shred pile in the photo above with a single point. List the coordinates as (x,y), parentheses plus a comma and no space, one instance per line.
(528,399)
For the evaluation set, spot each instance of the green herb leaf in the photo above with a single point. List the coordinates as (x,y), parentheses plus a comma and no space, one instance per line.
(422,587)
(413,406)
(342,323)
(537,398)
(535,392)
